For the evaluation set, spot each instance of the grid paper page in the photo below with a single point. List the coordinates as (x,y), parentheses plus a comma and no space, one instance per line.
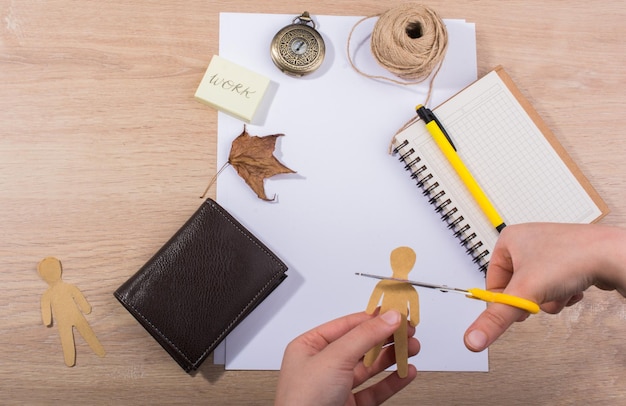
(509,157)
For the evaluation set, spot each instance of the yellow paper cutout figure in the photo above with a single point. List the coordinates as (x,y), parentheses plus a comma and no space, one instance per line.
(67,304)
(399,296)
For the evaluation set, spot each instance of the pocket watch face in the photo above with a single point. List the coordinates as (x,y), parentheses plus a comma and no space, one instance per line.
(298,49)
(298,46)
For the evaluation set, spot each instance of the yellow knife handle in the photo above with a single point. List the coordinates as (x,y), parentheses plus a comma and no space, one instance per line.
(494,297)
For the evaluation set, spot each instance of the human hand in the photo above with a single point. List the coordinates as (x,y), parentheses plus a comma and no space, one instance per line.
(550,264)
(323,365)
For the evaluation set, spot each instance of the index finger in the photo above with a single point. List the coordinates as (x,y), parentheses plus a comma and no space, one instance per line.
(363,337)
(499,273)
(324,334)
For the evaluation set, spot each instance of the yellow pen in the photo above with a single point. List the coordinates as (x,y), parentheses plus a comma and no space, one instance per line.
(446,146)
(472,293)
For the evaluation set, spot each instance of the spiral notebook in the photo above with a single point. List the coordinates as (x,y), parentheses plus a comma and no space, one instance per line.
(517,161)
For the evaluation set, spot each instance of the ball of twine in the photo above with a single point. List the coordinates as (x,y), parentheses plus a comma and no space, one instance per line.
(410,41)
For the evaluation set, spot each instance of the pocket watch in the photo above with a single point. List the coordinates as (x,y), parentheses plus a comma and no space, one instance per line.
(298,49)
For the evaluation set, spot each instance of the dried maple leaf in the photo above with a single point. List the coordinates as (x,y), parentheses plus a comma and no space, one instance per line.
(253,159)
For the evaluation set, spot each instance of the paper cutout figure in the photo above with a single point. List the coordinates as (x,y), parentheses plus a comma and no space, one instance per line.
(67,304)
(399,296)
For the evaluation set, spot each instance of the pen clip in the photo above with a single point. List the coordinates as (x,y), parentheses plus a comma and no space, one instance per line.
(427,116)
(443,130)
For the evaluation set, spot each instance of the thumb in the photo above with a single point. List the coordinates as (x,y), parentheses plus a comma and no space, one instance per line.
(490,325)
(364,337)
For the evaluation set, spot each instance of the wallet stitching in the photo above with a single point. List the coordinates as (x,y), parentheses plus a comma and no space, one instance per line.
(269,254)
(219,337)
(236,319)
(155,328)
(246,233)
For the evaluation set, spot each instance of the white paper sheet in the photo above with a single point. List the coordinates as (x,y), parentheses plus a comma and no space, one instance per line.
(350,203)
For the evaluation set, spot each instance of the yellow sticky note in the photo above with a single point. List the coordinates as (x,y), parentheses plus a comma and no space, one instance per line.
(231,88)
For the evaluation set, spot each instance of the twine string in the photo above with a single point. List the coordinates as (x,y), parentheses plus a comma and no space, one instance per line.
(409,41)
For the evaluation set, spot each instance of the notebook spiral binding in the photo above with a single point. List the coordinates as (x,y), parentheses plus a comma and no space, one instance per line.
(443,206)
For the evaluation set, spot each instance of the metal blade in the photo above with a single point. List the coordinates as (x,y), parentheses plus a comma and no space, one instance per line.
(442,288)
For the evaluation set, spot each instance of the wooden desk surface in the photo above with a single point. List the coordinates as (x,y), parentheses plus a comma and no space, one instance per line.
(103,152)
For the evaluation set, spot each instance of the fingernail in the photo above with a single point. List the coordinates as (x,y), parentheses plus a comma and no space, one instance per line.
(391,317)
(476,340)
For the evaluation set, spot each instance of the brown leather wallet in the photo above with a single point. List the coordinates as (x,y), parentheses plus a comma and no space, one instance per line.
(207,278)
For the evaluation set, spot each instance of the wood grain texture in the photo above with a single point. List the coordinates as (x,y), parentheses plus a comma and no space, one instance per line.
(104,152)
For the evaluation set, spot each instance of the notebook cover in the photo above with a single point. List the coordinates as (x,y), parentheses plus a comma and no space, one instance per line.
(207,278)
